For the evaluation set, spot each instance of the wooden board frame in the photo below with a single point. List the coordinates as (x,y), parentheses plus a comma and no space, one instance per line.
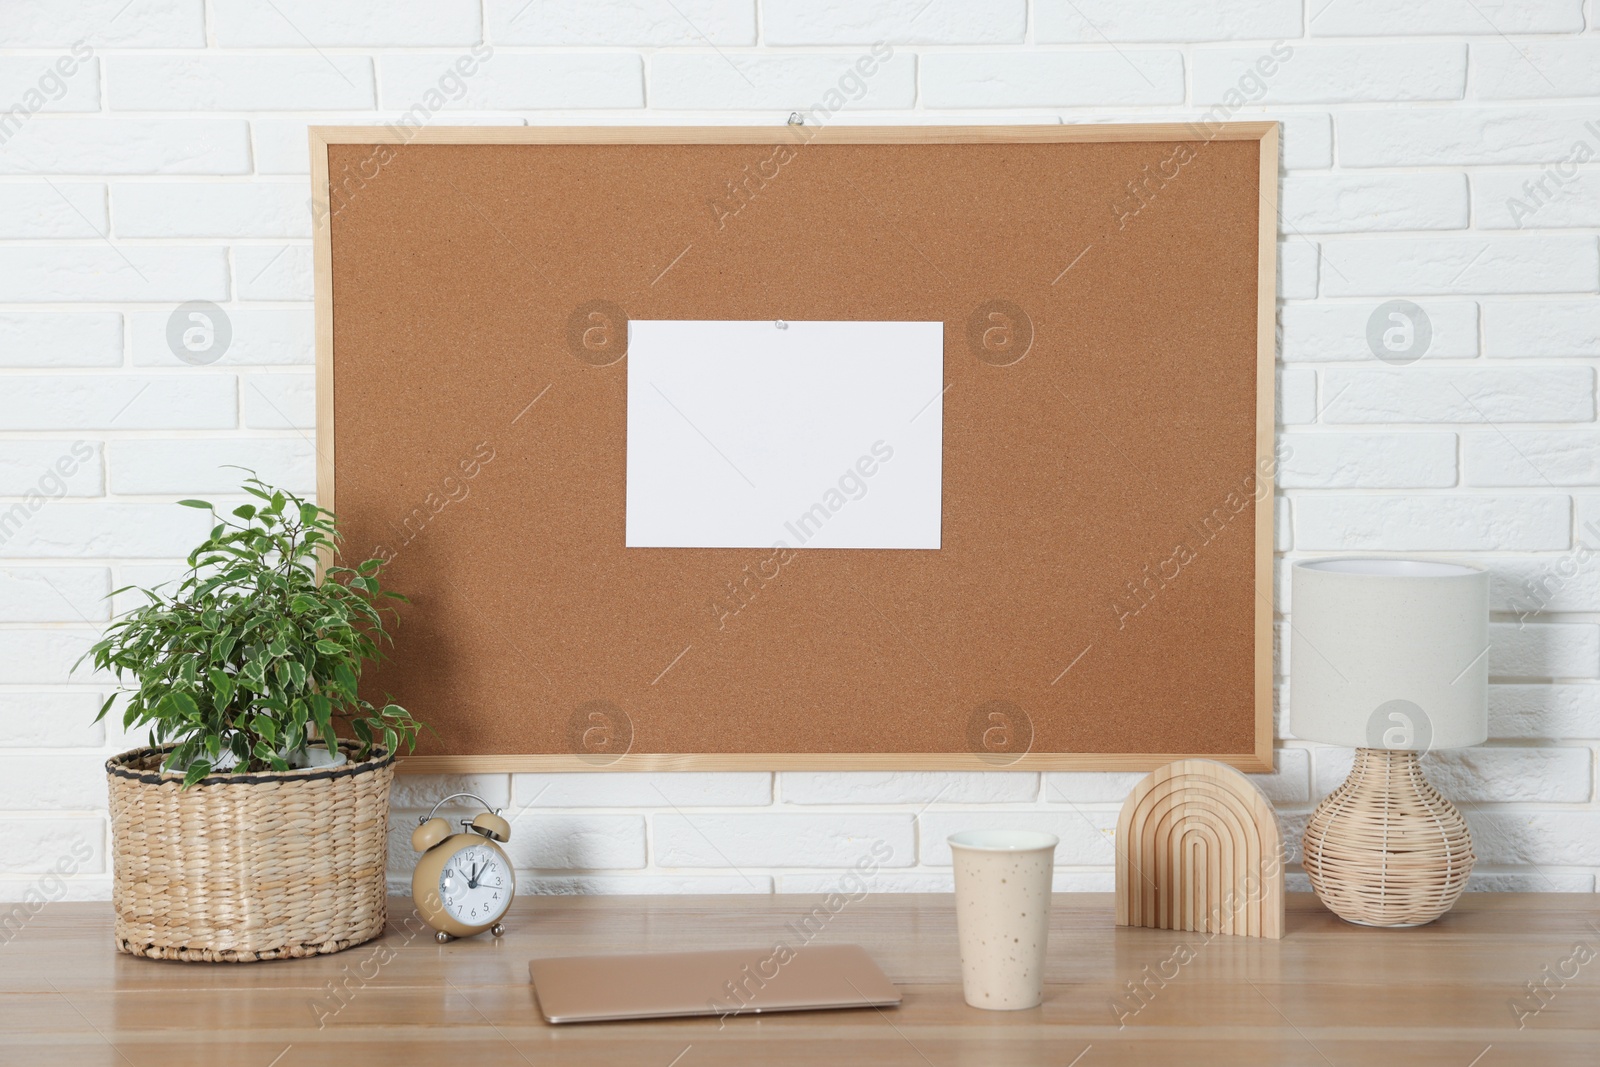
(1259,759)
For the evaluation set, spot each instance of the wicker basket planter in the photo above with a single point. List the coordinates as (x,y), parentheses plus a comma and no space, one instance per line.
(246,867)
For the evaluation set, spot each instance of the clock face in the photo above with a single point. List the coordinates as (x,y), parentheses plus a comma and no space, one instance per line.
(475,885)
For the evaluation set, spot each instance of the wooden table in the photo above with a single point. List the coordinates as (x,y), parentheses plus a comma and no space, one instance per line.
(1328,993)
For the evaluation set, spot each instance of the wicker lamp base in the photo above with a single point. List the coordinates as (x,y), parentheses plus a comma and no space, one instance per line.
(1385,849)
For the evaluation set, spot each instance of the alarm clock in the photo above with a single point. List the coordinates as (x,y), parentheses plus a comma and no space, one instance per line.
(463,883)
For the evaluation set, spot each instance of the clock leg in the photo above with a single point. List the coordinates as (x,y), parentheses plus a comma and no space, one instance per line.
(442,937)
(497,929)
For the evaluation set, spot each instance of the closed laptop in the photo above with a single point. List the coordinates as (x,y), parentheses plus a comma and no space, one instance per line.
(724,982)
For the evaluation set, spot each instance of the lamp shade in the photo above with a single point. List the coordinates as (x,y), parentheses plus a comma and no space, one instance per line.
(1389,653)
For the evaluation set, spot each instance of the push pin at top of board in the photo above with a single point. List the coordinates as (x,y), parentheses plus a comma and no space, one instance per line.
(796,119)
(780,324)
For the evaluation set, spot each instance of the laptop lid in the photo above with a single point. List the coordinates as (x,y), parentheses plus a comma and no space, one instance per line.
(725,982)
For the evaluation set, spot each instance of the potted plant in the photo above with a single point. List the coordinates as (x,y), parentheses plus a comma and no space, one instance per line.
(250,829)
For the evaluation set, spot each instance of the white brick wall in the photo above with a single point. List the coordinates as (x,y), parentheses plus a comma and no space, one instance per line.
(510,82)
(1098,21)
(1439,152)
(1503,70)
(76,209)
(188,209)
(711,80)
(1325,332)
(657,23)
(292,23)
(1427,266)
(1052,79)
(108,23)
(1364,18)
(1542,328)
(959,22)
(72,339)
(1467,394)
(112,401)
(279,401)
(1329,203)
(50,145)
(1335,73)
(1460,136)
(1369,461)
(54,594)
(95,272)
(272,272)
(1416,523)
(238,82)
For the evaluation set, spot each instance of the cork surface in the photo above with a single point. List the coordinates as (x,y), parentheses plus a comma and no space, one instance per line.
(1101,433)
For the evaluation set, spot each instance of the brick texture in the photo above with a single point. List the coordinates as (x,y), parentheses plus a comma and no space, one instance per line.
(1439,153)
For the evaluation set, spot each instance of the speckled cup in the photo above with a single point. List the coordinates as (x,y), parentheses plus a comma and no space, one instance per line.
(1003,915)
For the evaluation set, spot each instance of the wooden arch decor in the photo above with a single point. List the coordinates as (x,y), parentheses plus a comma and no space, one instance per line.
(1198,848)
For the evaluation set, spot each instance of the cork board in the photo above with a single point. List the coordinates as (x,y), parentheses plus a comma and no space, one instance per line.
(1102,598)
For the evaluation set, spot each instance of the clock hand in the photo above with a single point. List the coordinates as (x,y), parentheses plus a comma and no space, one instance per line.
(472,880)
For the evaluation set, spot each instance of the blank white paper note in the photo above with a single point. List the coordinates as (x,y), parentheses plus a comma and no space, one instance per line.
(804,434)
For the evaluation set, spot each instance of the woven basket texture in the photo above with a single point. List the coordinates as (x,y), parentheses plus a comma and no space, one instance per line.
(1385,848)
(247,867)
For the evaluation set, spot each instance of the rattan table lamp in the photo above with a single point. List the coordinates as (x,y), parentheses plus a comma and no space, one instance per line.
(1389,657)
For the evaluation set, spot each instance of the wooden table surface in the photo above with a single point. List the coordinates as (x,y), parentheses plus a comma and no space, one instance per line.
(1327,994)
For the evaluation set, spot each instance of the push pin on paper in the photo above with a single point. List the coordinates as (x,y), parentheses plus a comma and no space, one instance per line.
(796,119)
(780,324)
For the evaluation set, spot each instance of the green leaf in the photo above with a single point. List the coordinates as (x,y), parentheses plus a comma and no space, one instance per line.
(345,679)
(254,675)
(197,770)
(221,685)
(203,505)
(181,705)
(245,511)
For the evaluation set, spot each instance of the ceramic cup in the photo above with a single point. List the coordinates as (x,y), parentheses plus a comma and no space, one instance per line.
(1003,915)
